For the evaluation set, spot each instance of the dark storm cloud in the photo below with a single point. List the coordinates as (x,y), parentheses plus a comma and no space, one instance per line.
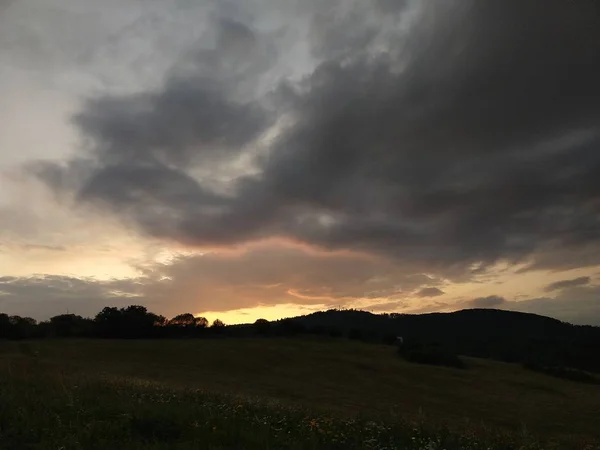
(472,138)
(458,158)
(491,301)
(163,127)
(202,112)
(564,284)
(430,292)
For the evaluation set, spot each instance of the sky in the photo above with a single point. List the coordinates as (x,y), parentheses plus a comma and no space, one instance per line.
(268,158)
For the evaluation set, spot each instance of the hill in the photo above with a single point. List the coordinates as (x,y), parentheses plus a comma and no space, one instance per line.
(485,333)
(539,342)
(483,322)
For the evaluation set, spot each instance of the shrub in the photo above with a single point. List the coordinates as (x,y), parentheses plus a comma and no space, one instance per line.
(566,373)
(432,354)
(335,332)
(389,339)
(355,333)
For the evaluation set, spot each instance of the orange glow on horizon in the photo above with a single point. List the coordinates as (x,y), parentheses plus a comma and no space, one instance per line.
(250,315)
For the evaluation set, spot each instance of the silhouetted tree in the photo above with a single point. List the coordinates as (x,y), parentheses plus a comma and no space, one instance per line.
(186,325)
(183,320)
(21,327)
(161,321)
(201,322)
(290,327)
(4,326)
(262,327)
(217,323)
(108,322)
(68,325)
(189,320)
(132,322)
(138,322)
(217,327)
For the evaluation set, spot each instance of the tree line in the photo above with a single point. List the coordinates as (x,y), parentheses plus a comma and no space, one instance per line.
(129,322)
(136,322)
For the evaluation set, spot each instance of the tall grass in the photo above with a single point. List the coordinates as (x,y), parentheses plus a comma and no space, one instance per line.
(46,406)
(43,408)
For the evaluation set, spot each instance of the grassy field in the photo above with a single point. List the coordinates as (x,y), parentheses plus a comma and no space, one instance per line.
(277,393)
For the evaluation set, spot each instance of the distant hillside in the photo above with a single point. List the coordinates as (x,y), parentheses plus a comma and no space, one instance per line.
(482,322)
(541,343)
(487,333)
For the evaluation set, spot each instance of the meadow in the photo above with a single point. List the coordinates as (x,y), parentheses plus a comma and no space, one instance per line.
(259,393)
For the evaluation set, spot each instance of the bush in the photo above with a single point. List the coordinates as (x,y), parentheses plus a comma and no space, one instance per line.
(431,354)
(318,330)
(389,339)
(335,332)
(355,333)
(566,373)
(289,327)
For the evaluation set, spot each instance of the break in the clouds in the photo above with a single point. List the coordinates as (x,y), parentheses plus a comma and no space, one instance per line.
(450,136)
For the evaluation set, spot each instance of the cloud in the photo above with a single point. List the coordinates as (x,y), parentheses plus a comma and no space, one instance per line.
(491,301)
(43,248)
(271,274)
(439,136)
(564,284)
(268,274)
(430,292)
(194,117)
(42,296)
